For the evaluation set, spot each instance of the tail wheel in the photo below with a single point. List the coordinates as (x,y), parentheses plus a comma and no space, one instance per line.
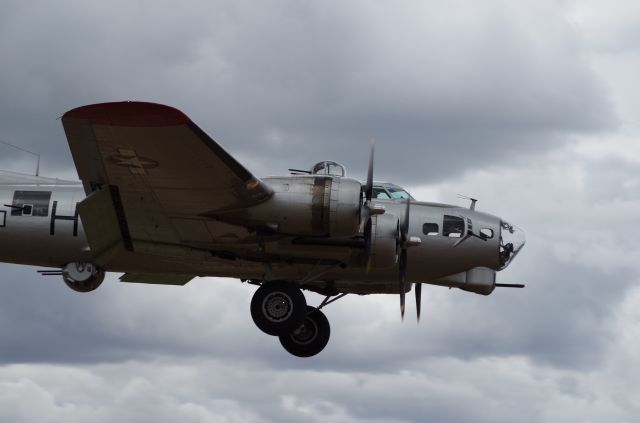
(309,338)
(278,307)
(82,277)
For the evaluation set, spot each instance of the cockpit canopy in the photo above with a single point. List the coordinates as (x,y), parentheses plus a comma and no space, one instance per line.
(381,190)
(328,167)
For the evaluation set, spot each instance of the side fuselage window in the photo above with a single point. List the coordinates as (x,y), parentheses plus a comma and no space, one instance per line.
(452,226)
(430,229)
(31,203)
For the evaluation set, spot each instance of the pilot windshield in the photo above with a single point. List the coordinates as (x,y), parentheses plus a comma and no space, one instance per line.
(380,193)
(389,192)
(398,193)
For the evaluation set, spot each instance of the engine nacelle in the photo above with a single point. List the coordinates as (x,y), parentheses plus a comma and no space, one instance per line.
(384,248)
(82,277)
(307,205)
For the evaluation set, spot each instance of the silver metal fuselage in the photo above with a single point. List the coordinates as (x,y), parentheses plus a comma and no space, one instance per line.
(55,236)
(41,240)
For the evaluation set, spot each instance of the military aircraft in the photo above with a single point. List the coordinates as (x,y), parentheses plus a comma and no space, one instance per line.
(163,203)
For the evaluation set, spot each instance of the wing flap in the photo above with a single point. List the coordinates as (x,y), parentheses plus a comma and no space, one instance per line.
(107,232)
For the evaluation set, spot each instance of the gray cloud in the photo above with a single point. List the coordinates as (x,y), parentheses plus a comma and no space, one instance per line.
(312,79)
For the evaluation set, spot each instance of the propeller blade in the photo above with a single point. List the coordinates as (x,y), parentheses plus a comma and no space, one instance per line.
(418,288)
(367,246)
(403,277)
(404,228)
(368,210)
(369,187)
(404,237)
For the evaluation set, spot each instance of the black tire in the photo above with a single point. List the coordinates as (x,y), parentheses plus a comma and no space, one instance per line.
(88,284)
(278,307)
(311,337)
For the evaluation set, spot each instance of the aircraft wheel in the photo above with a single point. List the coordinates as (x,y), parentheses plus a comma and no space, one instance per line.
(311,337)
(278,307)
(82,277)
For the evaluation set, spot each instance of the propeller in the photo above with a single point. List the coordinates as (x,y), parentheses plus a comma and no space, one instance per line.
(404,240)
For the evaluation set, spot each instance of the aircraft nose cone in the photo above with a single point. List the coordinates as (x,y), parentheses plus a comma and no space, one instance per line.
(512,239)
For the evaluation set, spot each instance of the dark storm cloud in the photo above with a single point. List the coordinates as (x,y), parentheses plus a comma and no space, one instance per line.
(299,82)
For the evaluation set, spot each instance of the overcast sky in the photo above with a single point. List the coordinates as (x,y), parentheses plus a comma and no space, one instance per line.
(530,106)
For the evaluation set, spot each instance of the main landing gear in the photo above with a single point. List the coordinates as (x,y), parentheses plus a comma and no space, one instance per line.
(279,308)
(310,337)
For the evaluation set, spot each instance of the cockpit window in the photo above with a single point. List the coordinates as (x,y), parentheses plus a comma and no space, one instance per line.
(452,226)
(386,191)
(398,193)
(380,193)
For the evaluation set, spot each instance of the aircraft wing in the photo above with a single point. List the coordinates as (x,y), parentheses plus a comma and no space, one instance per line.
(161,172)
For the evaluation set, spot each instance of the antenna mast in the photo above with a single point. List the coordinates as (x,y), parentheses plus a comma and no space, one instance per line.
(26,151)
(473,201)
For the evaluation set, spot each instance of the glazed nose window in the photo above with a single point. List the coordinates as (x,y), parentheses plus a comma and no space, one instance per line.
(512,239)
